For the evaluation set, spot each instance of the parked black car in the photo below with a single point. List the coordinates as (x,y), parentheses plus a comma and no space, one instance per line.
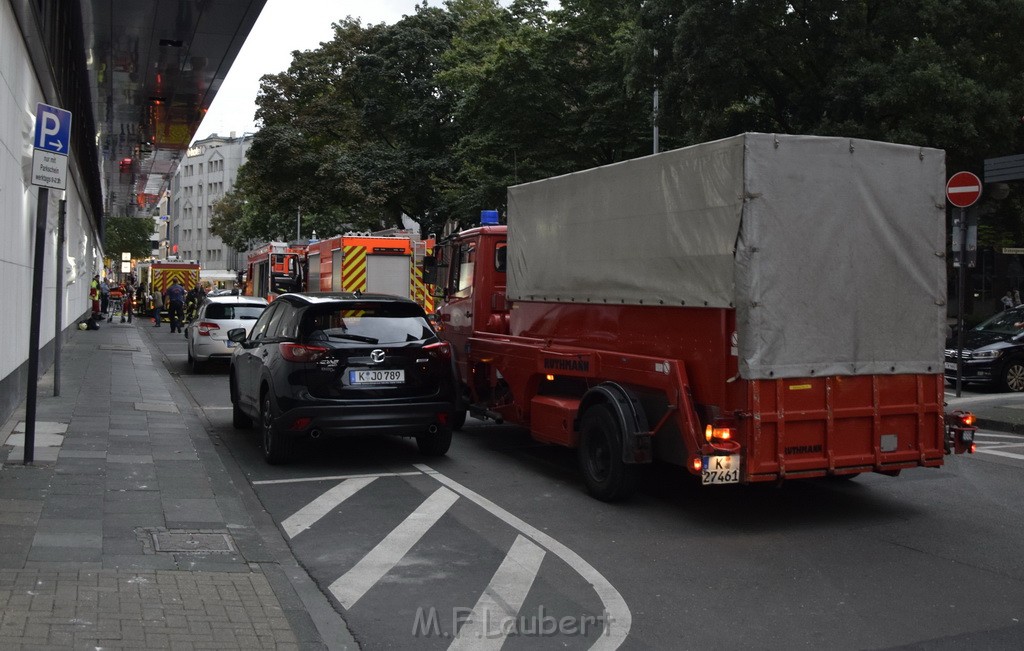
(993,352)
(338,364)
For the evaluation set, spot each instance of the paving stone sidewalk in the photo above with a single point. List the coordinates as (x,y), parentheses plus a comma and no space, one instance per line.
(128,531)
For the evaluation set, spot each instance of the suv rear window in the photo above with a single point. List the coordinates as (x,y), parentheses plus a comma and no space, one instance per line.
(383,323)
(220,311)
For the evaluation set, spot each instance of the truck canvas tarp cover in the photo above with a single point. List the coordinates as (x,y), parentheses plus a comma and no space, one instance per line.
(831,250)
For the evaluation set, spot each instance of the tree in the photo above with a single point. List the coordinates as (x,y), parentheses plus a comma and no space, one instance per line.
(132,235)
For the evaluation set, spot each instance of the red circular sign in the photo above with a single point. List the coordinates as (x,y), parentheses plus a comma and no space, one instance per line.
(963,189)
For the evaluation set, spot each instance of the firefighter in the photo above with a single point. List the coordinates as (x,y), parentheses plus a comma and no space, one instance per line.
(193,300)
(94,296)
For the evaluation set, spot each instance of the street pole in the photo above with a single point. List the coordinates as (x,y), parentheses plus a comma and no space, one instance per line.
(58,327)
(655,112)
(961,283)
(34,324)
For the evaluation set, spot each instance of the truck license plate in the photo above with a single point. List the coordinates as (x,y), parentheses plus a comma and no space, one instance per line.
(723,469)
(950,366)
(371,376)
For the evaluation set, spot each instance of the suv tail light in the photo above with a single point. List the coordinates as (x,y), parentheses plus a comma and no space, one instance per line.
(205,328)
(301,353)
(440,350)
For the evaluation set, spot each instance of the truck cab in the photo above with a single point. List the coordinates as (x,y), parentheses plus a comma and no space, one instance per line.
(471,272)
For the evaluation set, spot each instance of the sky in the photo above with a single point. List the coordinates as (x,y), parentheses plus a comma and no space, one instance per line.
(285,26)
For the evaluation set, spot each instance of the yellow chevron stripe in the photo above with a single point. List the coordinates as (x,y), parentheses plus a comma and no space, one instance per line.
(353,269)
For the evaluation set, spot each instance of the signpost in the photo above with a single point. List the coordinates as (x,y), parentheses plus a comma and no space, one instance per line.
(51,144)
(962,190)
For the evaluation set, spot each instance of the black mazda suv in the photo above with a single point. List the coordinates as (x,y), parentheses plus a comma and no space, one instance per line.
(337,364)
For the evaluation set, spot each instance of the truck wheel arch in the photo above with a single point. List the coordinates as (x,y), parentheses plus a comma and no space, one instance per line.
(625,406)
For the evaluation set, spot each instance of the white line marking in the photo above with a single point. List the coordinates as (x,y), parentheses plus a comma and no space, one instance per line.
(963,188)
(989,435)
(1000,453)
(501,601)
(308,515)
(618,619)
(264,482)
(352,585)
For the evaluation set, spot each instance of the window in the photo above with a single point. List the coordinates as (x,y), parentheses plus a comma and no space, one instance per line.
(462,282)
(259,329)
(501,257)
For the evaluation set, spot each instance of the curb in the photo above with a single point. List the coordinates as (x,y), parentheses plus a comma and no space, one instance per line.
(999,425)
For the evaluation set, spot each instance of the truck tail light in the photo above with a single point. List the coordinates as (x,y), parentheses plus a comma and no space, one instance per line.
(205,328)
(301,353)
(721,436)
(440,350)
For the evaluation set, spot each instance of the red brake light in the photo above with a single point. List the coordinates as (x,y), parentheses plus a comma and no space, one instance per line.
(441,349)
(301,353)
(205,328)
(967,419)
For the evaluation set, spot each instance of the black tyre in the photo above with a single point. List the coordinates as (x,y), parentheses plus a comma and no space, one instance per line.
(277,447)
(459,419)
(606,475)
(1013,376)
(239,419)
(436,444)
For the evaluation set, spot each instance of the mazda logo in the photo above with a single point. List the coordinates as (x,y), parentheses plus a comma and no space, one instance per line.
(377,356)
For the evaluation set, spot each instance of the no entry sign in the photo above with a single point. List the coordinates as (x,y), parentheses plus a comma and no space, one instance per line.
(963,189)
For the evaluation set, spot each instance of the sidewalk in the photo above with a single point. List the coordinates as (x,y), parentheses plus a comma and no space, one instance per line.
(131,530)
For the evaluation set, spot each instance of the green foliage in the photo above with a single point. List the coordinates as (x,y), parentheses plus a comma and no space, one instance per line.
(436,115)
(128,234)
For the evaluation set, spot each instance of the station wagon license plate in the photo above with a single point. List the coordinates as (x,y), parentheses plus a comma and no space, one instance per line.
(723,469)
(376,376)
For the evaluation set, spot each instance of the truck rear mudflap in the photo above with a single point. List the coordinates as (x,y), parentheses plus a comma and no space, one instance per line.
(839,425)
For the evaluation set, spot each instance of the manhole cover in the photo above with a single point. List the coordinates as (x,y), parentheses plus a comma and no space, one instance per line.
(192,541)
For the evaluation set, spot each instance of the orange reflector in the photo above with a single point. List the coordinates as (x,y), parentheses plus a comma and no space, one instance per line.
(698,464)
(967,419)
(549,378)
(973,448)
(721,433)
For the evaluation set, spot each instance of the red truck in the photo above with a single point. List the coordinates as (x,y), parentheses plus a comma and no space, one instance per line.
(754,309)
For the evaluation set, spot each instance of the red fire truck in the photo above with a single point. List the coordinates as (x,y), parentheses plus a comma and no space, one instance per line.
(384,263)
(275,268)
(755,309)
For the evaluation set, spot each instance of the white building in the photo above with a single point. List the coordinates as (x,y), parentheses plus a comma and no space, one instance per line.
(205,175)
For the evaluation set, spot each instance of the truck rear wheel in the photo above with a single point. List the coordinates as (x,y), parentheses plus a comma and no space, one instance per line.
(606,475)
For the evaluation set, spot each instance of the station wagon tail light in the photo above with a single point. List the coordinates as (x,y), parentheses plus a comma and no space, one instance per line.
(441,350)
(301,353)
(205,328)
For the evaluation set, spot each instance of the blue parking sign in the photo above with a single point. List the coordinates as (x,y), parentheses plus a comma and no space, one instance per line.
(53,129)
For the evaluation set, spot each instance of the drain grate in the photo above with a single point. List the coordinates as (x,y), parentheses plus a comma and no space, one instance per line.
(119,348)
(192,541)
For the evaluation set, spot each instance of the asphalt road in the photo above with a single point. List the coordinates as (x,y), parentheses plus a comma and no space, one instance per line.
(500,534)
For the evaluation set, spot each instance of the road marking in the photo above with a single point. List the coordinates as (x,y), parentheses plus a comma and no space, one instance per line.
(308,515)
(988,435)
(999,453)
(500,602)
(617,617)
(296,480)
(352,585)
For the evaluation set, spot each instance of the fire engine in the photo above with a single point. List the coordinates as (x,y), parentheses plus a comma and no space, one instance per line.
(756,309)
(383,263)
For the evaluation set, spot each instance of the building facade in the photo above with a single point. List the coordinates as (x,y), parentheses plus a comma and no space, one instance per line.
(205,175)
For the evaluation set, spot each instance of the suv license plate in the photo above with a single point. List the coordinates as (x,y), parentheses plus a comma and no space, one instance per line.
(950,366)
(723,469)
(369,376)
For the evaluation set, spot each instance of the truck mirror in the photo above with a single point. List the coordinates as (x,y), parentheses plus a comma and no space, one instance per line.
(430,270)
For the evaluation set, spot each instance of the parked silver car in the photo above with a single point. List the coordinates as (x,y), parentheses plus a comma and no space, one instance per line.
(207,334)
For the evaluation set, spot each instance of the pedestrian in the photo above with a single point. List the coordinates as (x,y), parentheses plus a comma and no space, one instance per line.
(94,295)
(1007,300)
(176,305)
(104,295)
(141,302)
(158,306)
(193,300)
(128,303)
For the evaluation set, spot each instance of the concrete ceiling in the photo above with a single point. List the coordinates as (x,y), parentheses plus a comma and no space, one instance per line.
(154,69)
